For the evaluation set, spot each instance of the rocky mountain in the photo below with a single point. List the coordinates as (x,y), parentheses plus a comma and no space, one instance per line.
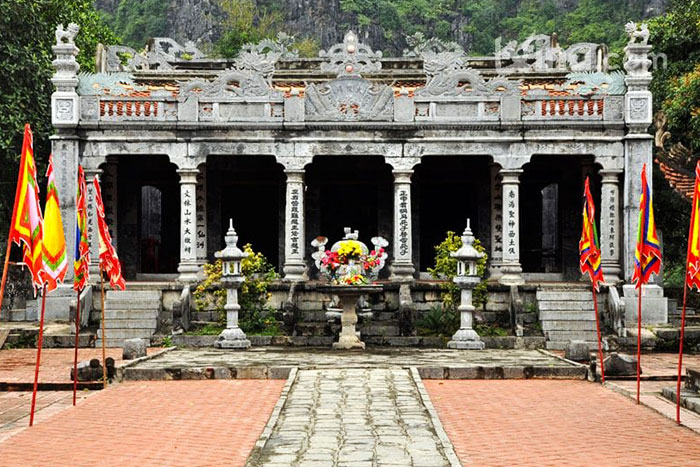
(382,23)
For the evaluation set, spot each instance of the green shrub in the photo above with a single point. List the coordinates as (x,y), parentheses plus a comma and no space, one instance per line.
(446,268)
(439,321)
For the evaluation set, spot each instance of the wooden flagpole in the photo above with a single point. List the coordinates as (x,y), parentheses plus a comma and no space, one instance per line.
(39,344)
(600,345)
(639,333)
(104,337)
(75,356)
(680,351)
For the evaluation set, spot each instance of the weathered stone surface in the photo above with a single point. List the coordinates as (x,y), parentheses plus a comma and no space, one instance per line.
(577,351)
(134,348)
(620,365)
(344,417)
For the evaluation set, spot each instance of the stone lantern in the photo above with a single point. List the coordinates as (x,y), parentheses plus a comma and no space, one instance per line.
(466,279)
(232,337)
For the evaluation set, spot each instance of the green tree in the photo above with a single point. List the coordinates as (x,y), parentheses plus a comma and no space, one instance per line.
(245,23)
(136,21)
(676,90)
(26,35)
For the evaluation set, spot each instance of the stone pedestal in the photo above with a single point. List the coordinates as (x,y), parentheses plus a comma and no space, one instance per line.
(466,338)
(349,295)
(654,305)
(232,337)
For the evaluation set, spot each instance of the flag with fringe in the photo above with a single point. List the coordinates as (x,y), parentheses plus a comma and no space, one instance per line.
(588,245)
(647,256)
(109,261)
(27,222)
(53,245)
(81,263)
(693,266)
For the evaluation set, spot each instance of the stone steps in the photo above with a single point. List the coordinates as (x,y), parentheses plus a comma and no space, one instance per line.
(130,314)
(566,314)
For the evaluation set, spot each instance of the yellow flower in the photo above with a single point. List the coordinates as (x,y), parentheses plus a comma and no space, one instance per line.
(350,248)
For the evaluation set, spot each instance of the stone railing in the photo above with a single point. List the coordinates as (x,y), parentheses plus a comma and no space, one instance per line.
(404,109)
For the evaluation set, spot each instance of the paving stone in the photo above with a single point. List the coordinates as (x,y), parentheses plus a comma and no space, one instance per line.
(353,417)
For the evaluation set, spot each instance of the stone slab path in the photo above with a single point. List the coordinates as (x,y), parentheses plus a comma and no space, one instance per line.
(355,417)
(276,363)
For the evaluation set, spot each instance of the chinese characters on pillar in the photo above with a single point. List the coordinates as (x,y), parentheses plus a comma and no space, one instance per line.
(403,223)
(497,216)
(201,222)
(294,220)
(189,227)
(511,220)
(108,181)
(612,203)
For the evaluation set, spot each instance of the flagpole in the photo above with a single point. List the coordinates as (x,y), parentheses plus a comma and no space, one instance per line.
(639,333)
(680,351)
(39,344)
(600,345)
(104,337)
(4,269)
(75,356)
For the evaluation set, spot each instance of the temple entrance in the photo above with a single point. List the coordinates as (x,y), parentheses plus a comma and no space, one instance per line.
(249,190)
(448,190)
(149,193)
(551,190)
(345,191)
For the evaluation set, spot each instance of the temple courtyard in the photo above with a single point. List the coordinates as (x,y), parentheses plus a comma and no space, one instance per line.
(313,407)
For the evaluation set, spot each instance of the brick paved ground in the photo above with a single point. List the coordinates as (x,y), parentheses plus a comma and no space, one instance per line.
(557,423)
(188,423)
(17,365)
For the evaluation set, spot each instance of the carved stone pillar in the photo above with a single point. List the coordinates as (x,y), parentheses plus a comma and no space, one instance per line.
(201,226)
(92,231)
(188,267)
(610,225)
(402,262)
(510,184)
(496,257)
(294,265)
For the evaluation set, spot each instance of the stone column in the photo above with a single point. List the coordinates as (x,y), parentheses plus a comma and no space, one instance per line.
(93,237)
(188,267)
(294,264)
(201,205)
(610,225)
(496,257)
(402,262)
(511,268)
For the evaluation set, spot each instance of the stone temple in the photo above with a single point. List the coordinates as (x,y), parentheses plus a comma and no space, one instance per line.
(402,147)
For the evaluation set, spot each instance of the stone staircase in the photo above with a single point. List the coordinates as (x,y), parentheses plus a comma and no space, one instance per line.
(566,313)
(690,391)
(130,314)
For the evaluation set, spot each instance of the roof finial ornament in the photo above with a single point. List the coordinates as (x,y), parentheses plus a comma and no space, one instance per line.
(351,58)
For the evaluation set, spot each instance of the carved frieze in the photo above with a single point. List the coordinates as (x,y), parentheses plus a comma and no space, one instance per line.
(351,58)
(541,52)
(92,84)
(349,98)
(589,83)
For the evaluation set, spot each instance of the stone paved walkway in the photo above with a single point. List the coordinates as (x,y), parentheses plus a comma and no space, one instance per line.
(353,417)
(276,363)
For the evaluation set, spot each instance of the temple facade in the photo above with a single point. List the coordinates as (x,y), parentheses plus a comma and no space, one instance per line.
(402,147)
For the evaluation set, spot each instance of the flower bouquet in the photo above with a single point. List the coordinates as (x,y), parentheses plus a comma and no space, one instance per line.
(349,261)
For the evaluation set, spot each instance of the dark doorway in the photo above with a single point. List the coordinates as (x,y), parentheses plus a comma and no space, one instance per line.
(345,191)
(149,215)
(447,191)
(250,191)
(551,189)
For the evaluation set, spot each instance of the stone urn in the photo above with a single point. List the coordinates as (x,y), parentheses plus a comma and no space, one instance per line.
(350,268)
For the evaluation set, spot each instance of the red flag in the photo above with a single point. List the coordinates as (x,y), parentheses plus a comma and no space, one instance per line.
(588,246)
(109,261)
(81,262)
(693,269)
(27,222)
(647,256)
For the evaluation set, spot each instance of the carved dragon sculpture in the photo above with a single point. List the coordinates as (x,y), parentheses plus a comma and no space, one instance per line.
(676,161)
